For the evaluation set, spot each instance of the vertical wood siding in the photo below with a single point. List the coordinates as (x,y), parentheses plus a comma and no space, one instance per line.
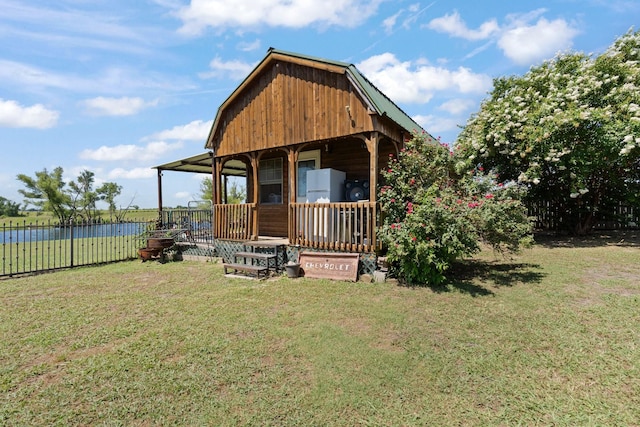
(288,104)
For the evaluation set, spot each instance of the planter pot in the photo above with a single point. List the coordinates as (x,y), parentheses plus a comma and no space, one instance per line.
(160,242)
(292,269)
(148,253)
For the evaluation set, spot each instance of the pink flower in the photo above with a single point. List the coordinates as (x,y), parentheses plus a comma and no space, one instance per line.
(488,196)
(414,238)
(393,200)
(409,207)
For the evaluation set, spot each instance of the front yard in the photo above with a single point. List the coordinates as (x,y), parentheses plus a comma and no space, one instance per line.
(550,337)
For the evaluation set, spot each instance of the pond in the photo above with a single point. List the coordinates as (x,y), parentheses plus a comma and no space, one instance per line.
(33,233)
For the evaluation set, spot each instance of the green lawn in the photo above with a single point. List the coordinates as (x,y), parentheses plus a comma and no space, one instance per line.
(551,337)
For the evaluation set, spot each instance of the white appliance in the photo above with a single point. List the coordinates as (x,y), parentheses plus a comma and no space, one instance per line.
(325,185)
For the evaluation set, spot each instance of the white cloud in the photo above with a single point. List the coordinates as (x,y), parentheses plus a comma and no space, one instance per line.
(455,26)
(196,130)
(528,44)
(457,106)
(126,152)
(416,82)
(36,116)
(390,22)
(436,124)
(249,47)
(184,195)
(238,14)
(520,40)
(124,106)
(236,70)
(135,173)
(110,80)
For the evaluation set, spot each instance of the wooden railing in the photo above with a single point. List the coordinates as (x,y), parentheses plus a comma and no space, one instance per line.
(235,222)
(334,226)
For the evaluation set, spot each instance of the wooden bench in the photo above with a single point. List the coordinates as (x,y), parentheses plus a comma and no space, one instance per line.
(257,269)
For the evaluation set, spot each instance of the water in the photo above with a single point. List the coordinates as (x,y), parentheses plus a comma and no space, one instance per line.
(42,233)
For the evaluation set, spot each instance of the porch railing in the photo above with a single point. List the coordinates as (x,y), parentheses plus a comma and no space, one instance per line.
(195,224)
(334,226)
(235,222)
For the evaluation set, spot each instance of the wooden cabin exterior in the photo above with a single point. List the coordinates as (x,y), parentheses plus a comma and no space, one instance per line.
(292,114)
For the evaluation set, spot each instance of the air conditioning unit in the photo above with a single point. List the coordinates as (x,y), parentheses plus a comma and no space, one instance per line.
(356,190)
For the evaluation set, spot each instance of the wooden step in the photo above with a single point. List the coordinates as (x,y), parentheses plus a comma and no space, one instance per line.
(255,255)
(257,269)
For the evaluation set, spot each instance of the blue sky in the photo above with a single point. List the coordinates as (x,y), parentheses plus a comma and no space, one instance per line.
(120,86)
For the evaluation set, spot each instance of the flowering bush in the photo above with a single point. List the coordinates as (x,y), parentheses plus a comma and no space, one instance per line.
(433,217)
(568,129)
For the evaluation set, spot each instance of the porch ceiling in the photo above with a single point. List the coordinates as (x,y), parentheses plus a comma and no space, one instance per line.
(201,163)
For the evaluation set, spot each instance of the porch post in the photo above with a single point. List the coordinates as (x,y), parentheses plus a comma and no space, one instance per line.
(256,201)
(159,192)
(293,193)
(215,197)
(372,146)
(373,143)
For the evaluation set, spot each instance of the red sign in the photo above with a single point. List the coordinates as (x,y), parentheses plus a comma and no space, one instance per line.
(330,265)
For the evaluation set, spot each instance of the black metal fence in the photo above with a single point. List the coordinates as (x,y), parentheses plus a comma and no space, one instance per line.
(548,216)
(27,248)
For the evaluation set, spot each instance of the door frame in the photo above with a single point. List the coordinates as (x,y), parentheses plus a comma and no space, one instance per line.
(306,156)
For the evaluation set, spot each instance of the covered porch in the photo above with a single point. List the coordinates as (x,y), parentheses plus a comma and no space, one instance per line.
(277,205)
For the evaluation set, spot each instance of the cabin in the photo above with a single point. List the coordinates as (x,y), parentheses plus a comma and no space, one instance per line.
(308,137)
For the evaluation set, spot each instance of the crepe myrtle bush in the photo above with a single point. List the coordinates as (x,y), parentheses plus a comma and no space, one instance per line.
(433,217)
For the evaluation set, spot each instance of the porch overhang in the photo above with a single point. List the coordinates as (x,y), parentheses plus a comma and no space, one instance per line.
(202,163)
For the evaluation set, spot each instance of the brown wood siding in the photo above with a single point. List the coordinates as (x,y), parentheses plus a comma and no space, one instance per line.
(272,220)
(289,104)
(350,156)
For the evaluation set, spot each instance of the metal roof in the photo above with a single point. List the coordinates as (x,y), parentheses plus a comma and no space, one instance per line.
(201,163)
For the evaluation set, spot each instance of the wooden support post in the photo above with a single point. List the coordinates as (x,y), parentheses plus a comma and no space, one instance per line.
(159,193)
(256,195)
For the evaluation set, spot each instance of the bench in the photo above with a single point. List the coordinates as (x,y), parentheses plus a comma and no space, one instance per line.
(257,269)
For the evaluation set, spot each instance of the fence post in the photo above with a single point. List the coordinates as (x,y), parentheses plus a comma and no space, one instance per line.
(71,242)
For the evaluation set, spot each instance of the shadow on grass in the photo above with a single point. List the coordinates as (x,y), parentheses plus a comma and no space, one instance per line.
(630,238)
(476,277)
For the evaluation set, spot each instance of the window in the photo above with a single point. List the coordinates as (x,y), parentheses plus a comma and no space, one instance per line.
(270,178)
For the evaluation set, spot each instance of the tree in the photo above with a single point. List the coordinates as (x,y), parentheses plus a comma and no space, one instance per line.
(568,129)
(108,193)
(49,192)
(236,192)
(83,198)
(433,217)
(46,191)
(9,208)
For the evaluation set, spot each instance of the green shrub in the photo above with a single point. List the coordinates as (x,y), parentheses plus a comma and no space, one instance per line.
(433,217)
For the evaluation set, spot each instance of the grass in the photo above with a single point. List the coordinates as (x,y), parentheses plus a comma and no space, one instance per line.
(550,337)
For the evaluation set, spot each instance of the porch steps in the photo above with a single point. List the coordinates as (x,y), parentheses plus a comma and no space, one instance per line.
(267,258)
(255,263)
(247,268)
